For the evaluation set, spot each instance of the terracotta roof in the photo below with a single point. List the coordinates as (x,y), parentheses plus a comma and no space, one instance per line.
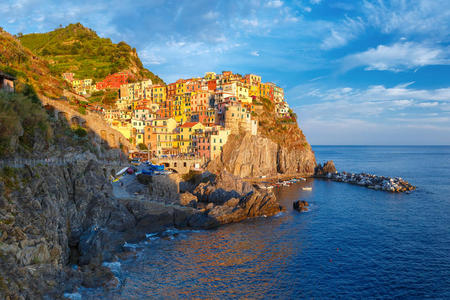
(189,124)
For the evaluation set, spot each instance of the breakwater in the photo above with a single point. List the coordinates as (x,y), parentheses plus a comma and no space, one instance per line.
(388,184)
(371,181)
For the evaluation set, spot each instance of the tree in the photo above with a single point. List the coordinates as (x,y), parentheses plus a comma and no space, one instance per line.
(142,146)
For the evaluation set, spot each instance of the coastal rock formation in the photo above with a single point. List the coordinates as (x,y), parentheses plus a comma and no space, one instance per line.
(251,156)
(53,216)
(387,184)
(228,199)
(323,170)
(300,205)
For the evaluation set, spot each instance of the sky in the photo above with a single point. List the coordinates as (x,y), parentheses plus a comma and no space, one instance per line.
(369,72)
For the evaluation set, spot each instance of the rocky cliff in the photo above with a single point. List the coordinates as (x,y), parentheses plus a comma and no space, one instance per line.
(279,148)
(253,156)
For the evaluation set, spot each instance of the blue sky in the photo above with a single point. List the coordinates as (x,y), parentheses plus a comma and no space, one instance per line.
(355,72)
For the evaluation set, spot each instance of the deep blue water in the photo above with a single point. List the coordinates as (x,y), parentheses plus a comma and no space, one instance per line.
(353,243)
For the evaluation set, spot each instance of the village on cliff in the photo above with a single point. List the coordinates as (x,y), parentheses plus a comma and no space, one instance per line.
(190,117)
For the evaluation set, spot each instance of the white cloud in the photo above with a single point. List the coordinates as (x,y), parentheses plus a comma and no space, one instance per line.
(415,17)
(315,1)
(375,115)
(211,15)
(307,9)
(340,34)
(397,57)
(428,104)
(252,22)
(254,53)
(274,3)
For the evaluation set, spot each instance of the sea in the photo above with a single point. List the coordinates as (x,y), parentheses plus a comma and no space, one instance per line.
(353,243)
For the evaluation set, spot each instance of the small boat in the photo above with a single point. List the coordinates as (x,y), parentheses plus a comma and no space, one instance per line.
(307,188)
(121,171)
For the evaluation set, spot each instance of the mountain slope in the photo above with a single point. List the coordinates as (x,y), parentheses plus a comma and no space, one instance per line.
(32,72)
(80,50)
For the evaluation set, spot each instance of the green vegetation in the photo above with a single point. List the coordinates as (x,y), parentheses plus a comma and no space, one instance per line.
(8,176)
(23,122)
(80,132)
(105,97)
(80,50)
(282,130)
(82,110)
(142,146)
(32,73)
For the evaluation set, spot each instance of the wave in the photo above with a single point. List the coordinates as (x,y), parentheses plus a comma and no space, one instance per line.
(73,296)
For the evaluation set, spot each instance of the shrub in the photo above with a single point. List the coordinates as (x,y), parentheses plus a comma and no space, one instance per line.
(23,122)
(82,110)
(80,132)
(142,146)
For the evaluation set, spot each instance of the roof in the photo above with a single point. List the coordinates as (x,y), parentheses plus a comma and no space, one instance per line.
(189,124)
(7,76)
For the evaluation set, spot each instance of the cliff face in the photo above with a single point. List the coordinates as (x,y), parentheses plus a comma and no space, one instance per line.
(254,156)
(53,216)
(279,148)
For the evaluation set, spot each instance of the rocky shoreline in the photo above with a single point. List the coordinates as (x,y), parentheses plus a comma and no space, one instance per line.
(59,224)
(382,183)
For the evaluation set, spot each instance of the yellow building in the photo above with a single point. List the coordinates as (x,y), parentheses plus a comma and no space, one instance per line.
(185,135)
(217,140)
(180,87)
(182,108)
(159,94)
(253,81)
(238,89)
(160,135)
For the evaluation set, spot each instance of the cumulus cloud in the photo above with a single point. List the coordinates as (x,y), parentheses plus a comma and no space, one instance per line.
(254,53)
(389,115)
(397,57)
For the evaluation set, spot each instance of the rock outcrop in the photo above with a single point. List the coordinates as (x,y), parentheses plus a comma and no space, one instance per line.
(323,170)
(253,156)
(228,199)
(300,205)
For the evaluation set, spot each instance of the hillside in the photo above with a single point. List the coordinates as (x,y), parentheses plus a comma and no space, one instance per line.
(80,50)
(26,129)
(33,74)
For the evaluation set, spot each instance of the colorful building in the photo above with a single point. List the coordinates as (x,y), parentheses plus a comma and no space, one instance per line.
(185,136)
(113,81)
(159,136)
(217,140)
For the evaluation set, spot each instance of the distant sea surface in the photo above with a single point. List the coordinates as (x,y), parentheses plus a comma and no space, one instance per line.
(353,243)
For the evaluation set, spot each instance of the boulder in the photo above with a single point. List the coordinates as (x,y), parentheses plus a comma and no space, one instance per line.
(325,169)
(300,205)
(187,199)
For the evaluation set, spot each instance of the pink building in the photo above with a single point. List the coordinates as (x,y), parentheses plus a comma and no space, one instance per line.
(199,100)
(203,145)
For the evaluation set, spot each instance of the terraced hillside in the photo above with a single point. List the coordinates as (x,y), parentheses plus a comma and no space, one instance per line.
(80,50)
